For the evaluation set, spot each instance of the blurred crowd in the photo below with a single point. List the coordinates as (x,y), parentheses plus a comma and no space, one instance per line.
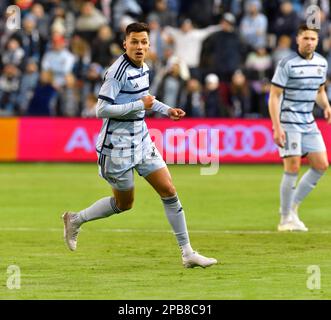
(213,58)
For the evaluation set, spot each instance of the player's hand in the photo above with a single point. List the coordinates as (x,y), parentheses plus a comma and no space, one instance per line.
(279,137)
(148,101)
(327,115)
(176,113)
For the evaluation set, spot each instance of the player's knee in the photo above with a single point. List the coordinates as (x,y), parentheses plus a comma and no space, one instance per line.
(322,166)
(293,168)
(168,191)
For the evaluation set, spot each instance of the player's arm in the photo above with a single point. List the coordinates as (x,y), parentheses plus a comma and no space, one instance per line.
(274,103)
(323,102)
(172,113)
(106,108)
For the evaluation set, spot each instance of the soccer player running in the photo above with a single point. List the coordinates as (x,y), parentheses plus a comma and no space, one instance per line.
(124,144)
(299,82)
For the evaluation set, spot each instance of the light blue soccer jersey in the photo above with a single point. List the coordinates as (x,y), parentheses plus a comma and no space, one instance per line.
(301,79)
(124,83)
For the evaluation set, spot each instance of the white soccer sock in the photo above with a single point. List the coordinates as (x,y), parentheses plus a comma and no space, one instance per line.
(102,208)
(287,189)
(176,218)
(306,185)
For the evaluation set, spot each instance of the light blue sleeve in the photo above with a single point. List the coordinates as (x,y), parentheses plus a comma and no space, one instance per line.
(325,75)
(110,89)
(281,75)
(160,107)
(106,98)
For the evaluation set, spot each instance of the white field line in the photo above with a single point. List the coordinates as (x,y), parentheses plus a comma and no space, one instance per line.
(26,229)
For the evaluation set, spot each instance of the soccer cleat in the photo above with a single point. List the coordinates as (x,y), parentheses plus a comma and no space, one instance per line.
(291,222)
(292,225)
(297,221)
(197,260)
(71,231)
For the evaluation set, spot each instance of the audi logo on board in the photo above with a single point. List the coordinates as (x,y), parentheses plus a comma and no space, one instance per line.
(222,140)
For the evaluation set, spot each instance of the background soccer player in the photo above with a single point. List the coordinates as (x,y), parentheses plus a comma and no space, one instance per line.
(298,83)
(124,144)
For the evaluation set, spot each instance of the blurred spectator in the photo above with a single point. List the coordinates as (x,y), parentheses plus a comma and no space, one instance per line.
(120,36)
(122,8)
(43,22)
(172,85)
(28,85)
(68,99)
(29,37)
(170,59)
(187,43)
(240,95)
(43,99)
(90,107)
(13,53)
(82,53)
(157,45)
(192,102)
(324,34)
(214,106)
(201,13)
(89,21)
(104,50)
(9,86)
(253,26)
(282,50)
(59,60)
(221,51)
(62,20)
(165,17)
(92,83)
(287,21)
(258,66)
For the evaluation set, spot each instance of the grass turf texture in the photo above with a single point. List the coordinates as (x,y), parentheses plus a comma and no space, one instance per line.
(231,216)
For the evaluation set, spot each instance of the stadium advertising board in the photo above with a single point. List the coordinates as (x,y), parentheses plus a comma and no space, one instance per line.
(188,141)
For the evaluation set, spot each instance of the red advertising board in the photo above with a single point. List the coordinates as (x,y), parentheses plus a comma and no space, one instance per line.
(185,141)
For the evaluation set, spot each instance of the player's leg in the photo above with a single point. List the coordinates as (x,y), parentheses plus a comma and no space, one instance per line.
(122,185)
(291,154)
(318,165)
(288,183)
(313,145)
(161,181)
(107,206)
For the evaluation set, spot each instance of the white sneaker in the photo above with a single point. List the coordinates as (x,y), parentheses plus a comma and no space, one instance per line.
(197,260)
(291,226)
(296,220)
(291,223)
(71,231)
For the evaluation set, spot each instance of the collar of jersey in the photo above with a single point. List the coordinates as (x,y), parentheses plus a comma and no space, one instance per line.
(301,56)
(128,60)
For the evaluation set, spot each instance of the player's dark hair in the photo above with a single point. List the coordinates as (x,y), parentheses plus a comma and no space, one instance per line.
(304,27)
(136,27)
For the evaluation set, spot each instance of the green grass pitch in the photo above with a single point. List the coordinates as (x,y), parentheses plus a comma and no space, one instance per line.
(231,216)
